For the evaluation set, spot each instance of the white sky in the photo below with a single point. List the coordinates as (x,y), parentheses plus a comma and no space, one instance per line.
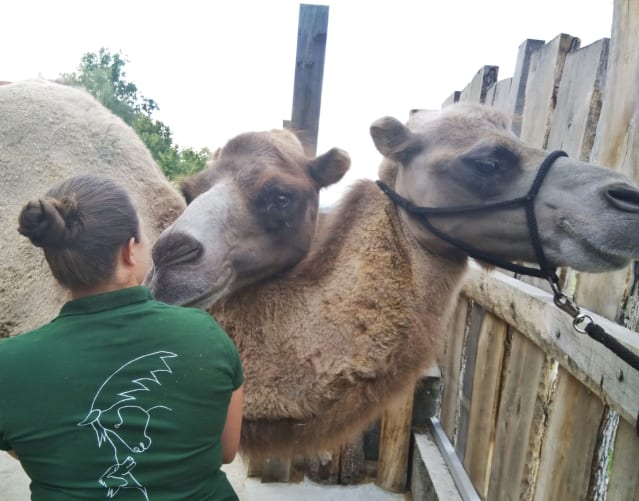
(218,68)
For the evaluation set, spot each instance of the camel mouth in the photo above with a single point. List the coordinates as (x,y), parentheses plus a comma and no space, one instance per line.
(609,259)
(218,290)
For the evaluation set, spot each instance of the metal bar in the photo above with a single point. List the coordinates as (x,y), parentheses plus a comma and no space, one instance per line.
(462,481)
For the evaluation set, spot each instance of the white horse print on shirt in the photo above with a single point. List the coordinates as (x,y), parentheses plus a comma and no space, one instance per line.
(120,415)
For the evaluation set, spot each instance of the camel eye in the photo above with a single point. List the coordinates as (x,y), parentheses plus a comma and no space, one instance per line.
(487,166)
(281,201)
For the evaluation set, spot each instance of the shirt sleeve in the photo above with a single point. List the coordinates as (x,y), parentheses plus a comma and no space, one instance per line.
(232,354)
(236,363)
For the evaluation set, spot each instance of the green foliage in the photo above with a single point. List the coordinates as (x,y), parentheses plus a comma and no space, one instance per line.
(103,76)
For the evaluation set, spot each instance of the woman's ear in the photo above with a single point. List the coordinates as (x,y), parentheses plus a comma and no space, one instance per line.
(128,252)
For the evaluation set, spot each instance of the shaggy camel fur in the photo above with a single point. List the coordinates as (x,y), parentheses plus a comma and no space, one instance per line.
(49,132)
(331,342)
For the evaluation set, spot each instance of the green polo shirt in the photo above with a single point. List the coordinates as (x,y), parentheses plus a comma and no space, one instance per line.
(120,397)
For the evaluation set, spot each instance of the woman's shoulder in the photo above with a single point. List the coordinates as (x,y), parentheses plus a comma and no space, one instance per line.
(12,347)
(189,319)
(183,312)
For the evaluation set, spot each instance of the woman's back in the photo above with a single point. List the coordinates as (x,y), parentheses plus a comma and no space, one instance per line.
(120,394)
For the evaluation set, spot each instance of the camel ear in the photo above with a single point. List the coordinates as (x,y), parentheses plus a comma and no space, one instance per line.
(200,182)
(188,191)
(197,184)
(330,167)
(394,140)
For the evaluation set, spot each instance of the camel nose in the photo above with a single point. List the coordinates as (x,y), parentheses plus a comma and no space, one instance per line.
(623,197)
(176,248)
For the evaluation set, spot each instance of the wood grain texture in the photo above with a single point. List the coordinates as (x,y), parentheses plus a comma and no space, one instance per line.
(569,443)
(545,72)
(520,421)
(394,444)
(485,401)
(532,312)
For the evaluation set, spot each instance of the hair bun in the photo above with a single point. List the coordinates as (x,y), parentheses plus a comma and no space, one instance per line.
(50,222)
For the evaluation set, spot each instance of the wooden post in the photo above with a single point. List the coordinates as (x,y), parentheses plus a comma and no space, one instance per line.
(276,470)
(394,444)
(520,79)
(307,98)
(309,74)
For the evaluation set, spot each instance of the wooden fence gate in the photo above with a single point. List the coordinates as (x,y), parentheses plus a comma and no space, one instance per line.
(535,410)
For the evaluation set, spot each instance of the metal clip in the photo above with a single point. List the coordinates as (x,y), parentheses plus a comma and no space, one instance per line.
(566,304)
(580,322)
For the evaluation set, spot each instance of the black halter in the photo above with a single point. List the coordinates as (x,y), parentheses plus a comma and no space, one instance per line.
(527,201)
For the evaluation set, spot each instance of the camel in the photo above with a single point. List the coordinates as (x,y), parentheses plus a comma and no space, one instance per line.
(330,342)
(50,132)
(264,191)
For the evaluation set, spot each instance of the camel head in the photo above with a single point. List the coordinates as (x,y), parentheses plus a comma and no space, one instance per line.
(250,215)
(466,156)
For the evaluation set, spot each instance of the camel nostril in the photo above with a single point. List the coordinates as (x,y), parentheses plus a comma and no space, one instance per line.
(175,248)
(624,198)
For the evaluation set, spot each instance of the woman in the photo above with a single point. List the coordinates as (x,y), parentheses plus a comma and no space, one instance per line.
(120,396)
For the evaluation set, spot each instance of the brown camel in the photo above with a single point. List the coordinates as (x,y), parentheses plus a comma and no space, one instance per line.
(329,343)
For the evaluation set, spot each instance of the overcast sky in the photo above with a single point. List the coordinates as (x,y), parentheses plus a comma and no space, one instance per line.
(218,68)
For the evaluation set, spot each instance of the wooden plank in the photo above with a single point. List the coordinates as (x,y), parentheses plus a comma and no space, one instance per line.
(485,400)
(309,74)
(617,142)
(617,146)
(623,483)
(394,444)
(569,444)
(452,99)
(533,312)
(324,469)
(604,292)
(455,340)
(475,91)
(253,467)
(426,398)
(276,470)
(519,82)
(352,464)
(498,95)
(576,115)
(545,72)
(476,317)
(520,421)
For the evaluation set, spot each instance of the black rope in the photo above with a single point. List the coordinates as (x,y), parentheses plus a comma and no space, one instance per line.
(530,211)
(597,333)
(527,201)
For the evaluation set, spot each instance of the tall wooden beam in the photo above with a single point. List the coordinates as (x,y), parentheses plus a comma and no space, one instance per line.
(309,74)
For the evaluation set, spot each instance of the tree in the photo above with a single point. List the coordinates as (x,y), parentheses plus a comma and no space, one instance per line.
(103,76)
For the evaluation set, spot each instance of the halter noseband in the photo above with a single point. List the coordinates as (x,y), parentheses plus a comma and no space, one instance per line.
(527,201)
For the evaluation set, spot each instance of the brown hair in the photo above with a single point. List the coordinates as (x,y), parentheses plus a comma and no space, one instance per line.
(81,223)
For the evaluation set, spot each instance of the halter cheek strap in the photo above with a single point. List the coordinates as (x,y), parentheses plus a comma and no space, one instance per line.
(527,201)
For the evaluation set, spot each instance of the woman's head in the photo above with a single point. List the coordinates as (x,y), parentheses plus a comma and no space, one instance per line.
(81,224)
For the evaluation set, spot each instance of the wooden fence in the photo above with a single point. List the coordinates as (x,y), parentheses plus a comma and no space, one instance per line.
(534,409)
